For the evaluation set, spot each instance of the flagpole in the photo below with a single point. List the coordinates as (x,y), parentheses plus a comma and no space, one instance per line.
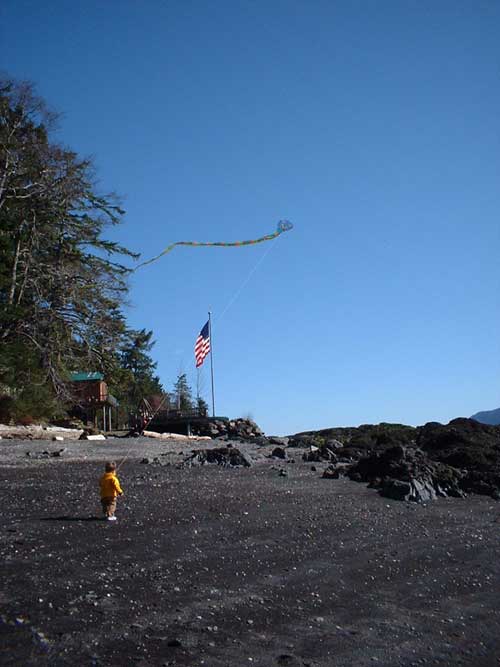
(211,360)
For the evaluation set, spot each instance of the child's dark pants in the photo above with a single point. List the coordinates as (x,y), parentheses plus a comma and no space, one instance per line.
(108,506)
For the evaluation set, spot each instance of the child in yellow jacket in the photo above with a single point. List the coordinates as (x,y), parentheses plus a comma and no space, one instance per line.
(110,489)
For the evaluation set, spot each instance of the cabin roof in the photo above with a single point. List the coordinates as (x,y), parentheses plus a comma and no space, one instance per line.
(82,376)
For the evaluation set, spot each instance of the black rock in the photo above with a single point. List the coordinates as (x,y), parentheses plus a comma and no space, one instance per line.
(317,454)
(279,453)
(331,473)
(407,474)
(415,490)
(59,452)
(224,456)
(466,445)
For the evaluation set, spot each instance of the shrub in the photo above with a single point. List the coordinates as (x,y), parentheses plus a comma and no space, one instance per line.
(26,420)
(6,408)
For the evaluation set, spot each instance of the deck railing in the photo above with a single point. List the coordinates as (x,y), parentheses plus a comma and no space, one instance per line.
(171,413)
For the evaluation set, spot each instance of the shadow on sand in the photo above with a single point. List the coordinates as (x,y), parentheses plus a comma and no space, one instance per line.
(72,518)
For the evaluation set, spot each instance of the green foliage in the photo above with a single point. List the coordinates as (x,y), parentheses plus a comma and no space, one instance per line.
(202,406)
(62,285)
(24,385)
(133,377)
(182,393)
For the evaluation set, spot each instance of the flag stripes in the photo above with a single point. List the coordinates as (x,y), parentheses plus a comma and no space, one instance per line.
(202,345)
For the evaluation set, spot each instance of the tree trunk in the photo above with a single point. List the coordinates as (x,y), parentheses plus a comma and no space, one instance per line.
(12,290)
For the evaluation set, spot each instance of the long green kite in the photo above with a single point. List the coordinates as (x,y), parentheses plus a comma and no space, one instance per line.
(283,226)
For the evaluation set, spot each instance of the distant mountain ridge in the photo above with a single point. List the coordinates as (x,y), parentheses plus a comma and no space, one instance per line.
(488,417)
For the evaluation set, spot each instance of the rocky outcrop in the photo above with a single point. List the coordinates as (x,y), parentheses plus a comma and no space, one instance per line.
(234,429)
(407,474)
(411,463)
(223,456)
(469,446)
(352,443)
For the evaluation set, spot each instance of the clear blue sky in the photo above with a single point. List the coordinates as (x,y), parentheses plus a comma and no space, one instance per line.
(373,126)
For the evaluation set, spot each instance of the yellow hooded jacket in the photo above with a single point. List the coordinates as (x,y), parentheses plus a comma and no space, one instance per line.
(110,485)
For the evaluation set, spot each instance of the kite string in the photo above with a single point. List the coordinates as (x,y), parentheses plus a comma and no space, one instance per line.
(219,317)
(246,281)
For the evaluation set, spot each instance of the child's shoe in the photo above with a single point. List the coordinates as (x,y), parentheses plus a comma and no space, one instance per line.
(111,518)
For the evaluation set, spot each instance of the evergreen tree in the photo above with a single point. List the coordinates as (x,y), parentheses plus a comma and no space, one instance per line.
(61,284)
(202,406)
(183,394)
(138,379)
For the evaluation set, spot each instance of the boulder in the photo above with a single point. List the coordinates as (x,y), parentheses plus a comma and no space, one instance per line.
(58,452)
(415,490)
(223,456)
(407,474)
(331,473)
(318,454)
(279,453)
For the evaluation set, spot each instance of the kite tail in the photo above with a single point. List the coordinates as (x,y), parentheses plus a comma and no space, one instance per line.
(283,226)
(153,259)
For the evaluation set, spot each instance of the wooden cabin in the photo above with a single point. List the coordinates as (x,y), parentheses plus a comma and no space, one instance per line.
(93,402)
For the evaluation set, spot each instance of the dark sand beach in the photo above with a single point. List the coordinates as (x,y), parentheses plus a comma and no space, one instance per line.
(226,567)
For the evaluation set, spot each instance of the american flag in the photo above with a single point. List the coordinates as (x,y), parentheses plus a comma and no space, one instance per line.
(202,345)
